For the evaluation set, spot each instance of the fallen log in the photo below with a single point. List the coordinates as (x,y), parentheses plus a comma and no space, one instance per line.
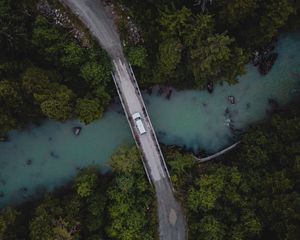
(201,160)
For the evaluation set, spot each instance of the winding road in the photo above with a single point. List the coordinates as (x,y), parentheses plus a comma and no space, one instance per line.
(92,13)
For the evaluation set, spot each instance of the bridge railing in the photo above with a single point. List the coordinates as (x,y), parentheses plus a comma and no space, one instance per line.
(149,120)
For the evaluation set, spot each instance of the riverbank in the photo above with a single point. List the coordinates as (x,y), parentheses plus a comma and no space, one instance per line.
(92,205)
(238,191)
(195,120)
(247,189)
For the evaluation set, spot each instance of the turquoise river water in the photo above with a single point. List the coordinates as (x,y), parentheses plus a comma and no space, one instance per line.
(194,119)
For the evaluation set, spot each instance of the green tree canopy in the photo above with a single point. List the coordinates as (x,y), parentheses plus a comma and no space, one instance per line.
(8,218)
(85,182)
(136,56)
(95,73)
(88,110)
(56,109)
(74,55)
(126,160)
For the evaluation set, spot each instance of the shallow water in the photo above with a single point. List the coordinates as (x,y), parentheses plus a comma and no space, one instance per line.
(198,120)
(56,154)
(195,119)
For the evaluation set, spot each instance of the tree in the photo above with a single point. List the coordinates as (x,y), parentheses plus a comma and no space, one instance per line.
(180,163)
(233,13)
(56,109)
(13,32)
(217,200)
(9,94)
(52,221)
(126,160)
(211,229)
(95,74)
(85,182)
(8,218)
(101,95)
(211,59)
(7,121)
(74,55)
(278,12)
(34,80)
(136,56)
(49,41)
(96,209)
(88,110)
(203,3)
(169,56)
(188,38)
(262,25)
(175,23)
(129,198)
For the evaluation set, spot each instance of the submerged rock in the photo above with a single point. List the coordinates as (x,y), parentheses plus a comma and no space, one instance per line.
(76,130)
(160,91)
(266,65)
(29,162)
(161,133)
(4,138)
(169,94)
(24,192)
(273,103)
(265,58)
(54,155)
(227,112)
(2,181)
(210,86)
(149,91)
(231,99)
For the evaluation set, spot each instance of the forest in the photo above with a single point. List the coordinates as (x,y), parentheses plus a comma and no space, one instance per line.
(45,73)
(50,71)
(200,41)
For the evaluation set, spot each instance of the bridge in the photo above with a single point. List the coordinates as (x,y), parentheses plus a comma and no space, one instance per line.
(171,220)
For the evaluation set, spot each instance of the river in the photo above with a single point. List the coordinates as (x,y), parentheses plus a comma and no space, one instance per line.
(43,158)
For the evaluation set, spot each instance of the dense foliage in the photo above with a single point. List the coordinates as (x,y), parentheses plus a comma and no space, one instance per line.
(188,43)
(118,205)
(45,72)
(253,193)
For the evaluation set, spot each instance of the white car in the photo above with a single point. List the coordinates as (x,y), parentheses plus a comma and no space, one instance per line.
(138,122)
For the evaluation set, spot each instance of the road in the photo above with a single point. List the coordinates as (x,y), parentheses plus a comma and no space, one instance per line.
(93,14)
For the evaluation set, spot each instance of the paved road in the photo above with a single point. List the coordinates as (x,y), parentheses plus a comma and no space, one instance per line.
(93,14)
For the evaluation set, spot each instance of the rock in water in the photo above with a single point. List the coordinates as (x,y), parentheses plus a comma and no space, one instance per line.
(265,58)
(231,99)
(273,103)
(54,155)
(210,86)
(169,94)
(29,162)
(4,138)
(76,130)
